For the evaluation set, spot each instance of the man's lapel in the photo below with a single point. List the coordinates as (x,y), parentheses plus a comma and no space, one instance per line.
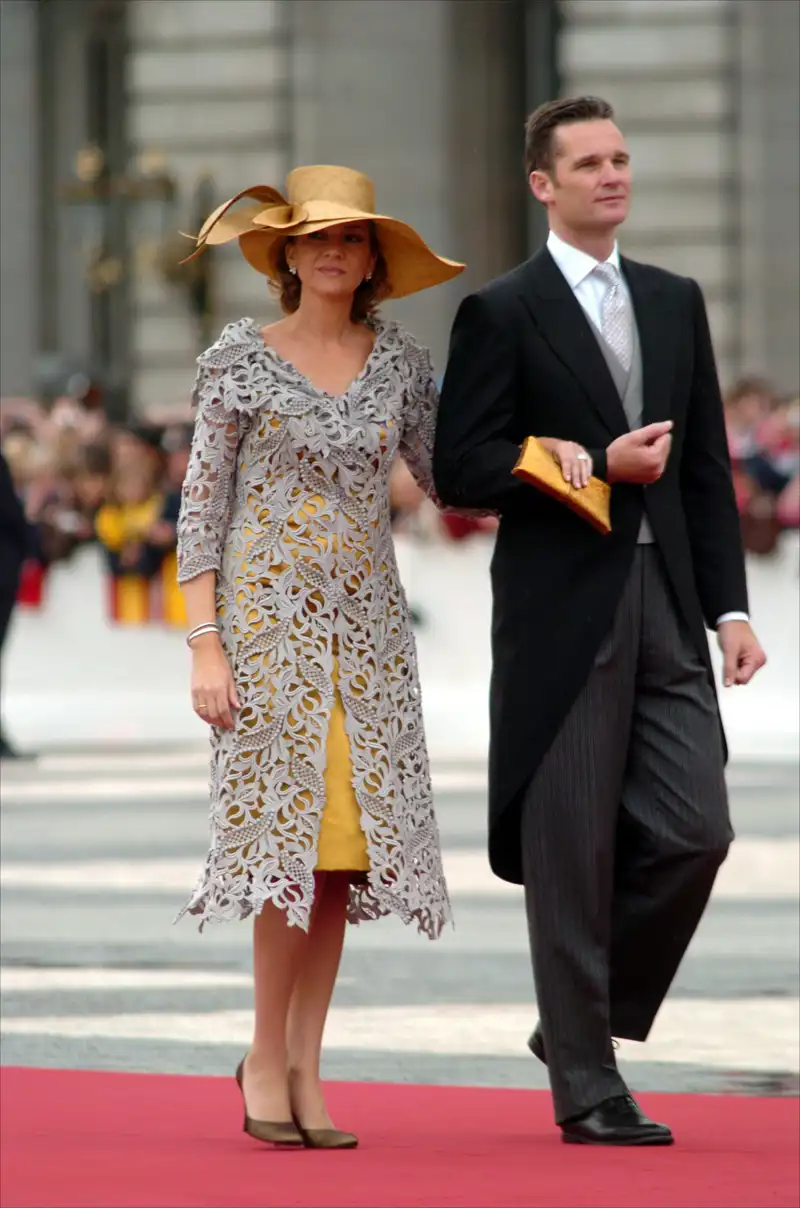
(657,332)
(560,318)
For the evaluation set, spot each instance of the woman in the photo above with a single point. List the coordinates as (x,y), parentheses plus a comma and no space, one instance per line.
(304,663)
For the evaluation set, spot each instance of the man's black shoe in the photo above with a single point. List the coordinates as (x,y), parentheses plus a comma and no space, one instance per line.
(617,1121)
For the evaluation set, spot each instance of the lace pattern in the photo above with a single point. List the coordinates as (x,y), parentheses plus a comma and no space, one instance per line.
(286,498)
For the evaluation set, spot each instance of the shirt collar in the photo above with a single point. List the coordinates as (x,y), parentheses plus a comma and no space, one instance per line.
(575,264)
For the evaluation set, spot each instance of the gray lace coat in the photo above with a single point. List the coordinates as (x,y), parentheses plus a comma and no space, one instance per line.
(286,499)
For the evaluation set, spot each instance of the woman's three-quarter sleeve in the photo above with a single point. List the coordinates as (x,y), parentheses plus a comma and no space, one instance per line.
(419,428)
(419,420)
(210,479)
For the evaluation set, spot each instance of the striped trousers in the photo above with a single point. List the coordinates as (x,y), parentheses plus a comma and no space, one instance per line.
(624,827)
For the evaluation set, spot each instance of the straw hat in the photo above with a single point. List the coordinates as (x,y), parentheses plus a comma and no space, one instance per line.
(320,197)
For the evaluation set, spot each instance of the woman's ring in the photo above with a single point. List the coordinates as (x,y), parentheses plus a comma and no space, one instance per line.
(582,457)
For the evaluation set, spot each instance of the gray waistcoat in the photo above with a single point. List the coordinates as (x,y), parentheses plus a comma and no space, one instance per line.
(630,385)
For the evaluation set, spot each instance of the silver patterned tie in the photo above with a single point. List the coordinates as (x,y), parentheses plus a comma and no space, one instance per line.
(616,316)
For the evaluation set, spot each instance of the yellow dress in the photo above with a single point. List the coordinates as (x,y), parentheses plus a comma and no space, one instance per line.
(341,844)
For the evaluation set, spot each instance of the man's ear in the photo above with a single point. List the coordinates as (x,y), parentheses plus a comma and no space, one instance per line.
(541,186)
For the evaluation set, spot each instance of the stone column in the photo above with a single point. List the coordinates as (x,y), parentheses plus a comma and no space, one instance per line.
(19,196)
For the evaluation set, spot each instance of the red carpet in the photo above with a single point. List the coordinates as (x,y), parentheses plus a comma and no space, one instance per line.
(77,1139)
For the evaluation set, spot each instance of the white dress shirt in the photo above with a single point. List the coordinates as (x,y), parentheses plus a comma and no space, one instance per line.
(590,289)
(578,268)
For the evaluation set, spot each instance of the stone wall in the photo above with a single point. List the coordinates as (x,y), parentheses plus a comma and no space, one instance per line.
(19,196)
(707,94)
(208,86)
(423,96)
(665,66)
(416,93)
(427,96)
(769,84)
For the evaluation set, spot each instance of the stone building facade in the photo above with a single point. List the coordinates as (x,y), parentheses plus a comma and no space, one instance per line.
(708,93)
(428,97)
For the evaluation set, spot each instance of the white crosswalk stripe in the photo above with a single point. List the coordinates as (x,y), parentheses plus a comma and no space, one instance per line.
(744,1034)
(183,773)
(768,869)
(135,784)
(44,981)
(21,980)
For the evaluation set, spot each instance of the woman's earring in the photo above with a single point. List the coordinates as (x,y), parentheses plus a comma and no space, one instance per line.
(292,270)
(368,276)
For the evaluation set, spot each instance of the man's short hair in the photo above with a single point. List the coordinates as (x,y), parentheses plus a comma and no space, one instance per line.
(541,126)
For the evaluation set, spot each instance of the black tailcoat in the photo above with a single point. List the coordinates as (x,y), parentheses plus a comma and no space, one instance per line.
(524,360)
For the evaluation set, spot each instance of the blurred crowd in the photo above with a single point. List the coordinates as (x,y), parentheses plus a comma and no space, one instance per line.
(85,480)
(764,442)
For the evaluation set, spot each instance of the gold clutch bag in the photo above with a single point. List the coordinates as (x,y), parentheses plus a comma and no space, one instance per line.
(541,470)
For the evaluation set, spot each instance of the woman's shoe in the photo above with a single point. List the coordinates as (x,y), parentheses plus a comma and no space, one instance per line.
(326,1138)
(283,1132)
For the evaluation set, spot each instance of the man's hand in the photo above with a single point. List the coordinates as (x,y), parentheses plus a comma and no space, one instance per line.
(640,456)
(741,652)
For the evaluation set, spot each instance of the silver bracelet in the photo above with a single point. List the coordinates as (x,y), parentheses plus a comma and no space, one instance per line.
(207,627)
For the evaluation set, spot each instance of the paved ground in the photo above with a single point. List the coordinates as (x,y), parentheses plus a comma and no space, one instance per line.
(100,849)
(103,839)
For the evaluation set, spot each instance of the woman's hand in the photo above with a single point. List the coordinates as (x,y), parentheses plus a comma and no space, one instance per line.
(575,462)
(213,690)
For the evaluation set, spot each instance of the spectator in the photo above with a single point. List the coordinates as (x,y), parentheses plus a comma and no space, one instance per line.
(747,404)
(176,445)
(90,485)
(13,549)
(85,479)
(764,443)
(775,460)
(135,446)
(32,474)
(124,524)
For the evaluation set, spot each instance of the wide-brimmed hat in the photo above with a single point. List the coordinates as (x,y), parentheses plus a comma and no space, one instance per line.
(319,197)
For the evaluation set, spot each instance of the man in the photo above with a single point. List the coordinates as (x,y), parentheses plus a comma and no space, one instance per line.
(13,544)
(606,783)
